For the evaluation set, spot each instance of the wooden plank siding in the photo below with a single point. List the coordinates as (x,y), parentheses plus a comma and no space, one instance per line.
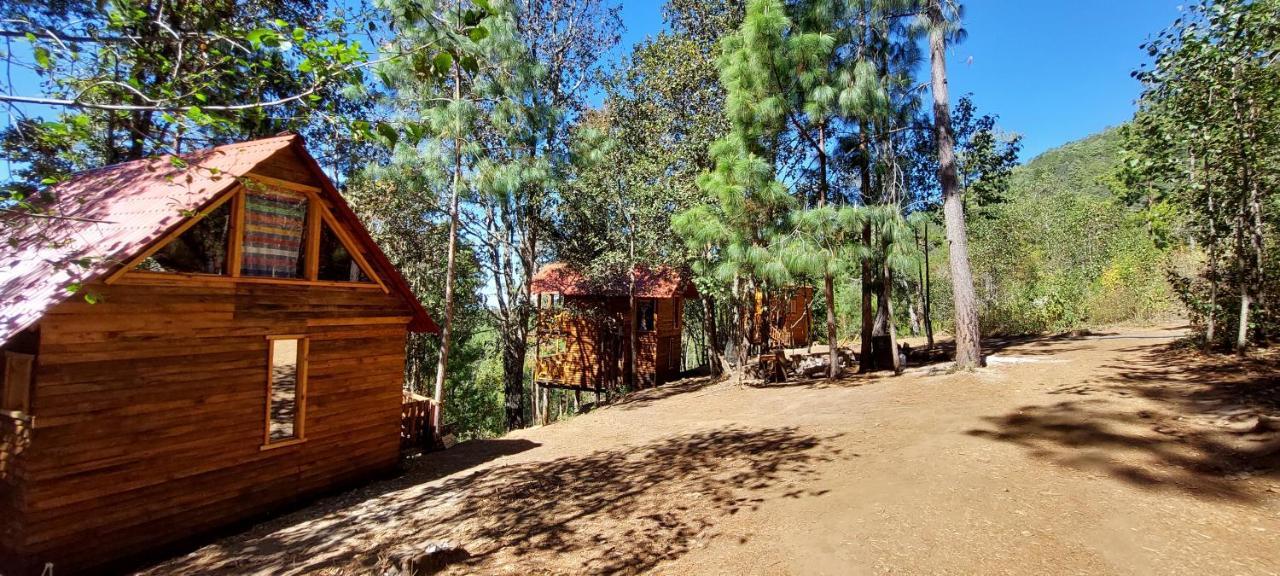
(589,355)
(149,411)
(796,321)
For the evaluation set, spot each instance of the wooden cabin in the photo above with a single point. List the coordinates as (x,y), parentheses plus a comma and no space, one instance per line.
(190,345)
(786,314)
(582,336)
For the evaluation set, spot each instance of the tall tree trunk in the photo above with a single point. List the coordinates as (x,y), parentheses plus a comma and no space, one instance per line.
(633,336)
(924,281)
(913,315)
(833,356)
(512,316)
(1248,186)
(633,348)
(513,380)
(1242,337)
(886,303)
(447,329)
(1257,277)
(866,362)
(1257,238)
(968,345)
(1242,264)
(1209,335)
(828,279)
(742,325)
(1212,320)
(714,354)
(765,323)
(537,344)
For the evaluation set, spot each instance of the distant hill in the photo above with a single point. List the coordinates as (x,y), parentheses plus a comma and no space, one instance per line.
(1083,166)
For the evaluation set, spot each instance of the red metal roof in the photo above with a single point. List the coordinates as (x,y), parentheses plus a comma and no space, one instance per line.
(660,282)
(102,218)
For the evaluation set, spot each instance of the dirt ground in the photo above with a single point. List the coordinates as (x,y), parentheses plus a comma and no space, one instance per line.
(1112,453)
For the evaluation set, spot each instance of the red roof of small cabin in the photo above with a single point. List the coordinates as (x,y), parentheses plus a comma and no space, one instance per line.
(660,282)
(106,216)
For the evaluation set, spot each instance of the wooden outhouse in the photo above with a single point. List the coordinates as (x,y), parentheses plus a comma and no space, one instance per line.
(190,344)
(582,339)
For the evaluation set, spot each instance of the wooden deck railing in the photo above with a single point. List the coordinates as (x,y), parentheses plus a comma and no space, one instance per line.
(415,421)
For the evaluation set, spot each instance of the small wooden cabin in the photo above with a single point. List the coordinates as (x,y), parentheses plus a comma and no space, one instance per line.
(190,345)
(582,340)
(786,314)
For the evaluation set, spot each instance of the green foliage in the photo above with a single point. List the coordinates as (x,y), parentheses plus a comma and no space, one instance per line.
(641,152)
(1203,160)
(485,94)
(131,79)
(475,385)
(1063,250)
(403,217)
(1081,167)
(985,157)
(756,142)
(747,205)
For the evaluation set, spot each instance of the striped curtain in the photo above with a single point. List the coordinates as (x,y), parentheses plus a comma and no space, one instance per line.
(274,224)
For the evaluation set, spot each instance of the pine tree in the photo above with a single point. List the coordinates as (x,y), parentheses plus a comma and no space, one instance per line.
(437,134)
(748,205)
(968,344)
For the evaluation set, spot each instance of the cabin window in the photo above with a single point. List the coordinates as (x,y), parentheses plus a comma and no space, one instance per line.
(15,388)
(646,311)
(201,249)
(336,262)
(286,388)
(275,225)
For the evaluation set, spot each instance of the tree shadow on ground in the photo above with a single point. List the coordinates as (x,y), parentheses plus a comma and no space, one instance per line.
(647,396)
(614,511)
(1167,418)
(464,456)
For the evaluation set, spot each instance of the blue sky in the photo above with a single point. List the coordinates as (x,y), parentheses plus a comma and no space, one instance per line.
(1053,70)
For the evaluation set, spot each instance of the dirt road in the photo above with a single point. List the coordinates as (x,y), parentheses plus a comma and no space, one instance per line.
(1107,454)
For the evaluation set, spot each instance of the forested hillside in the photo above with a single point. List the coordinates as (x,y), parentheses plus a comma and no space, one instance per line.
(1088,165)
(1064,250)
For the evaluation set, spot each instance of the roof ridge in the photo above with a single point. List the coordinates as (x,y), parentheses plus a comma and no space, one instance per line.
(184,155)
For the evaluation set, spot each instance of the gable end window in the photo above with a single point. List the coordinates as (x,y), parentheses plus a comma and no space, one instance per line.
(274,241)
(262,234)
(200,249)
(337,261)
